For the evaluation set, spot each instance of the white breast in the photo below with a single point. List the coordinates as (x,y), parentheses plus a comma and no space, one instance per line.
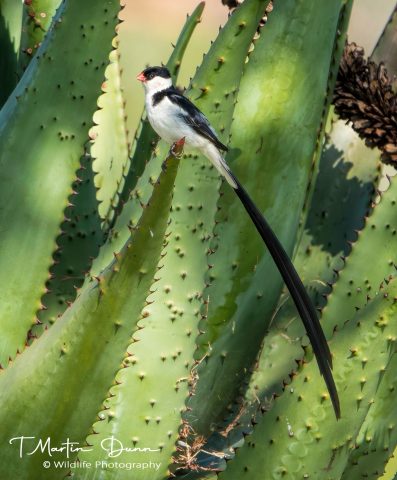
(165,118)
(162,117)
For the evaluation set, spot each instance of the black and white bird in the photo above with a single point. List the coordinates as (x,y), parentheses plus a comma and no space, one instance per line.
(175,117)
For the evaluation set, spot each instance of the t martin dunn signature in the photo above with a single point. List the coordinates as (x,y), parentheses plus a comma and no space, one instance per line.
(112,446)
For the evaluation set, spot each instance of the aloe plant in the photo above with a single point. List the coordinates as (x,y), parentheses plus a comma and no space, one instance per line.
(10,37)
(241,324)
(37,18)
(138,305)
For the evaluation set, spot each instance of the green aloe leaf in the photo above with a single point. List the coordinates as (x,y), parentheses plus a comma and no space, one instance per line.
(37,18)
(68,371)
(391,469)
(377,438)
(37,181)
(110,150)
(96,192)
(146,406)
(341,199)
(275,134)
(10,37)
(299,437)
(385,50)
(355,285)
(78,243)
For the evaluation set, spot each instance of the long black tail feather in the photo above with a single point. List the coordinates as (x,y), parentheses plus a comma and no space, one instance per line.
(298,293)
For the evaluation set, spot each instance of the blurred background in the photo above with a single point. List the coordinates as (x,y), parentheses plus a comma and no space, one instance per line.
(152,26)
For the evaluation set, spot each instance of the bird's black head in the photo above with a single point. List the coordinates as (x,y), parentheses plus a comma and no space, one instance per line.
(153,72)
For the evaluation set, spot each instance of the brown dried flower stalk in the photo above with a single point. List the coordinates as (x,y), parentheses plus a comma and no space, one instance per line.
(364,96)
(188,448)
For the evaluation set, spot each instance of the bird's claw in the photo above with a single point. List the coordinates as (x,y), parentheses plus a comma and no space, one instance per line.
(176,149)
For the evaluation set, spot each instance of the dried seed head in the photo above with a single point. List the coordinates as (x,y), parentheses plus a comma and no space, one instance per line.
(364,96)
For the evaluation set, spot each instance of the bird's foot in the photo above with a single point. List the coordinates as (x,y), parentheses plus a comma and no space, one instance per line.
(176,149)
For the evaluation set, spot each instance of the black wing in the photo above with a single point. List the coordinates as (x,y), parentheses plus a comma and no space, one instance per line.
(195,119)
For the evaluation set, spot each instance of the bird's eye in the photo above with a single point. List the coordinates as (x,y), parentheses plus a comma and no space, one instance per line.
(151,76)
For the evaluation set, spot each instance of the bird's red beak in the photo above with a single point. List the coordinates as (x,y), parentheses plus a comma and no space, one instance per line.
(141,77)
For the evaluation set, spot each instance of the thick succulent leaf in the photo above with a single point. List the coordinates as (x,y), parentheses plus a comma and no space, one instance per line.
(385,50)
(350,292)
(299,437)
(274,134)
(391,469)
(341,199)
(326,119)
(145,138)
(10,37)
(82,233)
(36,181)
(37,18)
(280,348)
(110,148)
(377,439)
(93,193)
(79,241)
(148,403)
(68,371)
(356,281)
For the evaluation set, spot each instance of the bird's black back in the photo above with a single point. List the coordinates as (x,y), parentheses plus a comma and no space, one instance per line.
(191,115)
